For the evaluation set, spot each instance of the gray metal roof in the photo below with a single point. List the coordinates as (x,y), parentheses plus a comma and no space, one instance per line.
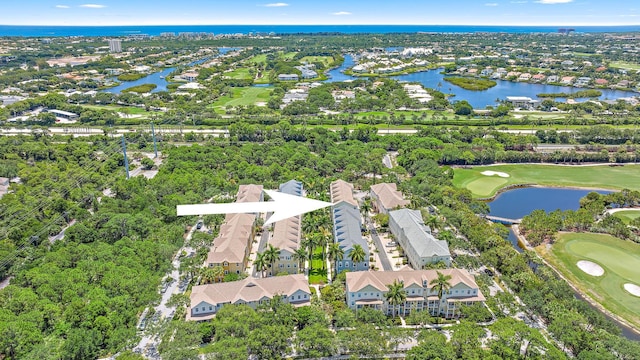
(291,187)
(346,227)
(416,232)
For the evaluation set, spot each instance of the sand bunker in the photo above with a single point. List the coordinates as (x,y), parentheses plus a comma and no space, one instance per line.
(590,268)
(632,289)
(491,173)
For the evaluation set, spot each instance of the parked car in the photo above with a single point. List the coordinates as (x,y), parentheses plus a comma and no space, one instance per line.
(392,244)
(488,272)
(199,225)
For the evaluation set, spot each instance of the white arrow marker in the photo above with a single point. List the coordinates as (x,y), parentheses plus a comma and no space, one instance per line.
(283,206)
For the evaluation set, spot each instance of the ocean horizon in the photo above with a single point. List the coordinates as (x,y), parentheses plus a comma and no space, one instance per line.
(155,30)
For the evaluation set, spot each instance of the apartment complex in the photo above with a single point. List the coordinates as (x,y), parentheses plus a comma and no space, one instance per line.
(420,247)
(347,227)
(206,300)
(286,234)
(368,289)
(386,197)
(115,45)
(231,248)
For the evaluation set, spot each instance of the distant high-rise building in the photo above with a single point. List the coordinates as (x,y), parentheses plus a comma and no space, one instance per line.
(115,45)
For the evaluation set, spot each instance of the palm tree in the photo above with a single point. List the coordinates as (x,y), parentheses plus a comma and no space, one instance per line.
(271,255)
(365,207)
(396,295)
(260,263)
(441,284)
(218,272)
(207,275)
(335,253)
(300,255)
(357,254)
(307,243)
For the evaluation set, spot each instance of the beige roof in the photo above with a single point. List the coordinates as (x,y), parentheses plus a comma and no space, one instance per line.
(286,234)
(358,280)
(342,191)
(233,239)
(249,193)
(249,290)
(389,196)
(234,236)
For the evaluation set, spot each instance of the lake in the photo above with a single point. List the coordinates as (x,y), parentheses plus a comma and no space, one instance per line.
(516,203)
(159,78)
(478,99)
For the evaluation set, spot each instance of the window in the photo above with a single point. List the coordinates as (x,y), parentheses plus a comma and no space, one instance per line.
(226,272)
(468,292)
(195,310)
(238,272)
(204,309)
(352,295)
(225,264)
(210,308)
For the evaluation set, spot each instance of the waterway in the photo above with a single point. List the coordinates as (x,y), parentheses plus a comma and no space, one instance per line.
(478,99)
(516,203)
(159,78)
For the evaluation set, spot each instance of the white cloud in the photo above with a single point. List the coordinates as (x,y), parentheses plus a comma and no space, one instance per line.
(280,4)
(93,6)
(554,1)
(519,2)
(62,6)
(340,13)
(491,4)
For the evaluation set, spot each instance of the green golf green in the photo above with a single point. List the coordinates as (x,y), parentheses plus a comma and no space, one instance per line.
(627,216)
(596,177)
(620,260)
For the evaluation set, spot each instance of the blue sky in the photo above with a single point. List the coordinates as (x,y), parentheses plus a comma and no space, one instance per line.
(225,12)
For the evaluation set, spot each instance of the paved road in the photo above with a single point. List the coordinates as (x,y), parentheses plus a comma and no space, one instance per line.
(384,259)
(60,235)
(162,311)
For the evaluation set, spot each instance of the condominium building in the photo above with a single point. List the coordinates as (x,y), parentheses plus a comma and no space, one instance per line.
(286,234)
(347,227)
(207,300)
(415,238)
(368,289)
(115,45)
(387,197)
(231,248)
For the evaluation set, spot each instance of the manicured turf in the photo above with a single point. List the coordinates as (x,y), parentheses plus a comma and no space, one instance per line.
(597,177)
(326,60)
(627,216)
(260,58)
(239,74)
(620,260)
(624,65)
(244,96)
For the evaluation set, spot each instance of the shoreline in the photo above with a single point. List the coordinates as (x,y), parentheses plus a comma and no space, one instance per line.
(621,322)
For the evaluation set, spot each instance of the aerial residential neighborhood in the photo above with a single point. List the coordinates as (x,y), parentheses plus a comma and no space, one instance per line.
(283,190)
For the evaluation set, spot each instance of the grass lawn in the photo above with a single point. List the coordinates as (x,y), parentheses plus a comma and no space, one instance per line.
(326,60)
(240,74)
(289,55)
(596,177)
(620,260)
(258,59)
(624,65)
(627,216)
(243,96)
(319,274)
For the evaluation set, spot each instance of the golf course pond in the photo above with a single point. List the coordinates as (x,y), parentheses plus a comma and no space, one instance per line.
(518,202)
